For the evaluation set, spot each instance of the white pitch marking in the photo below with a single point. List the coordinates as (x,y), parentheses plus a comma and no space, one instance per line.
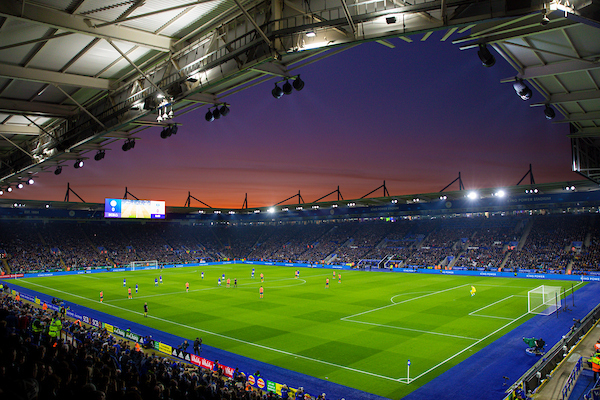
(489,305)
(232,338)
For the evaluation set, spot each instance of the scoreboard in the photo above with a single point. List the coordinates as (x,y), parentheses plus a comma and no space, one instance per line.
(122,208)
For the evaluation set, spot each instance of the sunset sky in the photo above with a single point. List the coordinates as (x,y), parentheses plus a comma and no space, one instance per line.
(413,116)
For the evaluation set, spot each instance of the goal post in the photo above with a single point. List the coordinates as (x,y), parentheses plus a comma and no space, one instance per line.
(544,300)
(143,264)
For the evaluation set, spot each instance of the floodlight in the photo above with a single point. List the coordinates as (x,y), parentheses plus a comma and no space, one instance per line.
(522,89)
(174,129)
(78,163)
(311,34)
(572,187)
(99,155)
(549,112)
(487,58)
(443,197)
(287,87)
(224,110)
(58,170)
(271,210)
(171,113)
(500,193)
(1,192)
(277,92)
(216,113)
(164,133)
(209,116)
(298,84)
(545,20)
(473,195)
(159,118)
(19,185)
(9,189)
(30,181)
(128,145)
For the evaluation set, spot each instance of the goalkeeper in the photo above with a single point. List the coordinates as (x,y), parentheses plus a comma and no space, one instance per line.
(473,291)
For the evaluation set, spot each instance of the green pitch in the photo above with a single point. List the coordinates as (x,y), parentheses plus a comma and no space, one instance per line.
(359,333)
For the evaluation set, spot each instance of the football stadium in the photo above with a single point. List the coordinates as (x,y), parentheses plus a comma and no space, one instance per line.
(486,292)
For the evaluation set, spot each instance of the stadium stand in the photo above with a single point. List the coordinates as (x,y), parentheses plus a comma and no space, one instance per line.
(553,243)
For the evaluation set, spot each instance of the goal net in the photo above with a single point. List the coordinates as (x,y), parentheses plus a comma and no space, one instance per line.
(140,264)
(544,300)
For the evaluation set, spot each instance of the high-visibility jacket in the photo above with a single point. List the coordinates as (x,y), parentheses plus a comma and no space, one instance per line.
(36,327)
(595,362)
(55,327)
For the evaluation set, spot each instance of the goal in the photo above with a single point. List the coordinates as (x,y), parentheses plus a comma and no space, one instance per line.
(143,264)
(544,300)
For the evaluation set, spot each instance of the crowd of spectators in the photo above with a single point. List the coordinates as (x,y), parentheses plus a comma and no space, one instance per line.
(547,242)
(38,365)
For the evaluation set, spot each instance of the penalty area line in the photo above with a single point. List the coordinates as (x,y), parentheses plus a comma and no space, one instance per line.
(232,338)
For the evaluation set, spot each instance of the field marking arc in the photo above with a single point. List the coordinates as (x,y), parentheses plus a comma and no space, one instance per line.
(229,337)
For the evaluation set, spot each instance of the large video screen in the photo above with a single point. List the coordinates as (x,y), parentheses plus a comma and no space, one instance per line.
(122,208)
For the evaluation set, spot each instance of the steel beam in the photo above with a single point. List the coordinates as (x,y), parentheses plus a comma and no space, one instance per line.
(576,117)
(38,14)
(559,98)
(52,77)
(20,129)
(36,108)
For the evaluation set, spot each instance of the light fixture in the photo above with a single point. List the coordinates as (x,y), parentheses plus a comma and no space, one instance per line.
(58,170)
(78,163)
(523,91)
(311,34)
(298,84)
(473,195)
(487,58)
(209,116)
(9,189)
(549,112)
(19,185)
(216,113)
(500,193)
(545,20)
(1,192)
(443,197)
(271,210)
(99,155)
(30,181)
(128,145)
(168,131)
(277,92)
(224,110)
(287,87)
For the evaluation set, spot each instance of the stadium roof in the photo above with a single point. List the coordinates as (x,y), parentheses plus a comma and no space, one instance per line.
(77,76)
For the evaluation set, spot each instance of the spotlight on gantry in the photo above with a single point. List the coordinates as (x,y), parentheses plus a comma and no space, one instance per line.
(549,112)
(224,110)
(99,155)
(209,116)
(287,87)
(298,84)
(277,92)
(486,57)
(78,163)
(58,170)
(523,91)
(128,145)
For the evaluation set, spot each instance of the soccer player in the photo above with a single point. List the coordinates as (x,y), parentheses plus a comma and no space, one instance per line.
(228,282)
(129,293)
(473,291)
(339,278)
(327,283)
(124,282)
(187,286)
(219,281)
(145,309)
(136,288)
(261,291)
(202,274)
(223,277)
(262,277)
(297,274)
(160,278)
(155,282)
(334,274)
(235,282)
(252,273)
(101,296)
